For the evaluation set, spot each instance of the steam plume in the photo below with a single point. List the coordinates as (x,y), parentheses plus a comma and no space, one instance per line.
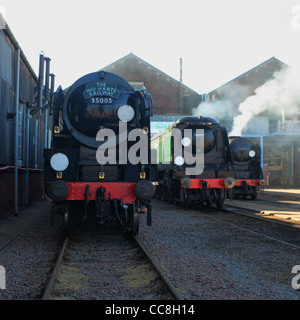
(281,93)
(217,109)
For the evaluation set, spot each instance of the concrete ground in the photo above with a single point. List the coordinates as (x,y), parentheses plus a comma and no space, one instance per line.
(12,225)
(278,204)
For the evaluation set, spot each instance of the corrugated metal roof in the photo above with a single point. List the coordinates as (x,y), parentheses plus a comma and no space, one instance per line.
(15,43)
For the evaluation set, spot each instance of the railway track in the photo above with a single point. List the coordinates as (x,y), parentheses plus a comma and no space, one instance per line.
(133,274)
(257,214)
(51,282)
(245,220)
(102,265)
(217,254)
(159,270)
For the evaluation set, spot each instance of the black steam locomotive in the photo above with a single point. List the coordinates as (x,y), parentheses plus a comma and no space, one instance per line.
(87,169)
(247,165)
(178,180)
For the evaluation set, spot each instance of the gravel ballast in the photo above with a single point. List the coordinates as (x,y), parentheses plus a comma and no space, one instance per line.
(29,259)
(207,259)
(204,258)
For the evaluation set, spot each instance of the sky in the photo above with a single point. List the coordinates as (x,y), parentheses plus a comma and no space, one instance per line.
(217,40)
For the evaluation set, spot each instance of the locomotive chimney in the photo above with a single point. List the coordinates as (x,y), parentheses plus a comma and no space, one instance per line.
(52,76)
(180,79)
(47,77)
(180,90)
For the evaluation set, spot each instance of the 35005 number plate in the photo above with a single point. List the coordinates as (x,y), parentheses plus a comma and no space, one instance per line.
(101,100)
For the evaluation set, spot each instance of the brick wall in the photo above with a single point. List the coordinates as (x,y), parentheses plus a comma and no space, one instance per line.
(7,189)
(164,90)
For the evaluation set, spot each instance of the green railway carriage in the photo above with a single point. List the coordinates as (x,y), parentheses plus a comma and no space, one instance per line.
(162,144)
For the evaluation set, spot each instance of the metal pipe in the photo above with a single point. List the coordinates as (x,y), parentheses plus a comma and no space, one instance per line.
(180,79)
(41,81)
(52,77)
(27,156)
(292,164)
(47,77)
(180,90)
(47,95)
(262,152)
(46,128)
(17,98)
(40,103)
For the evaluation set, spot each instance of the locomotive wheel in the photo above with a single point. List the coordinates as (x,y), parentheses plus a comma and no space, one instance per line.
(185,200)
(165,193)
(158,192)
(170,196)
(219,203)
(135,223)
(253,194)
(52,214)
(220,199)
(208,202)
(210,197)
(149,214)
(132,221)
(67,223)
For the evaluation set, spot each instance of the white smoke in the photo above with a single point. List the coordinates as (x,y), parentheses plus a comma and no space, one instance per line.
(281,93)
(216,109)
(224,108)
(277,95)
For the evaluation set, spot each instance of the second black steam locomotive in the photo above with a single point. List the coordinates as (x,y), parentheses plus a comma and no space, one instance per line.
(87,168)
(212,183)
(247,166)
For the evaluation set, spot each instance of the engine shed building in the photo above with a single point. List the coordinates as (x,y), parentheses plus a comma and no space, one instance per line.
(277,133)
(17,84)
(171,98)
